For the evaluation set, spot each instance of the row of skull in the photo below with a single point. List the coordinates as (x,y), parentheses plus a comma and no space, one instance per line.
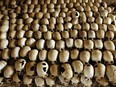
(74,72)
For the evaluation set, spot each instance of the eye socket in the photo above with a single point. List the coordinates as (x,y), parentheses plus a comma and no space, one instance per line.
(77,14)
(32,68)
(22,62)
(43,63)
(75,73)
(44,69)
(96,66)
(19,82)
(86,78)
(62,69)
(111,62)
(88,64)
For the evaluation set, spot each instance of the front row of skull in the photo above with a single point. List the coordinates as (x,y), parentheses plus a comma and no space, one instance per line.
(76,72)
(64,72)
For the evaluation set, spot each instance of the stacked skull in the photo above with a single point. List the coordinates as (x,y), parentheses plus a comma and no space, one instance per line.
(47,42)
